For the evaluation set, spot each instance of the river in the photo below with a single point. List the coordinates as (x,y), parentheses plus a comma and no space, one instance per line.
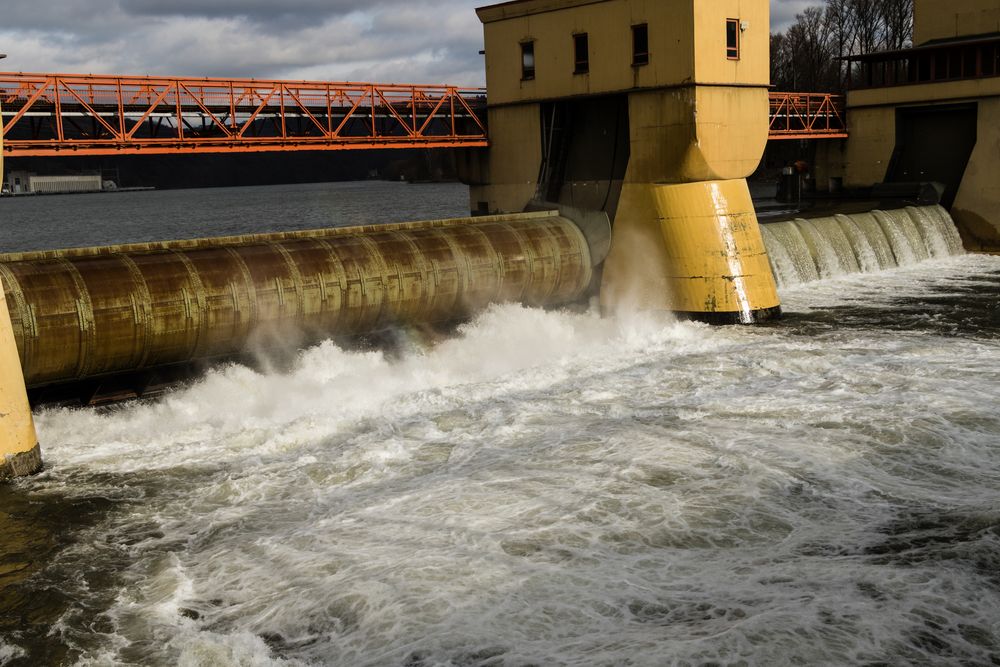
(543,488)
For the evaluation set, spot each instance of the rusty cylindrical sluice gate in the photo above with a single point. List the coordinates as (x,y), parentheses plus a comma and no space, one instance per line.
(94,311)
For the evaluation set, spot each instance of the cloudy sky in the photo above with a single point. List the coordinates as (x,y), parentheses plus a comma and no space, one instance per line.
(421,41)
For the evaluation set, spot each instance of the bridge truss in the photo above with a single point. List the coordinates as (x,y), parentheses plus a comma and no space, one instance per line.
(76,114)
(71,114)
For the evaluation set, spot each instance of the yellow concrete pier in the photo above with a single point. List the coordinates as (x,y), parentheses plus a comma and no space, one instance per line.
(653,112)
(19,451)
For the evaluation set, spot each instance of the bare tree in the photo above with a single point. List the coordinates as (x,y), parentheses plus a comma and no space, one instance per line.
(897,23)
(807,55)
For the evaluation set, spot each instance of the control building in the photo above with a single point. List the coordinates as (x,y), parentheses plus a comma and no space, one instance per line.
(651,111)
(929,114)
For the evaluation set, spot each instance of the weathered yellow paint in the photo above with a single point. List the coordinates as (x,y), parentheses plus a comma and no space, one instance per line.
(862,163)
(697,133)
(697,119)
(19,451)
(508,175)
(687,45)
(693,248)
(938,91)
(976,210)
(941,19)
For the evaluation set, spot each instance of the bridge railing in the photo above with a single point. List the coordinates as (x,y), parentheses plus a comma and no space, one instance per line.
(52,114)
(807,116)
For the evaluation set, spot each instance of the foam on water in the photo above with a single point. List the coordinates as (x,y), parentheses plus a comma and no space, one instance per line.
(557,488)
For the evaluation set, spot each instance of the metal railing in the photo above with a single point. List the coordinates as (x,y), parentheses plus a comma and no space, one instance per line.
(807,116)
(59,114)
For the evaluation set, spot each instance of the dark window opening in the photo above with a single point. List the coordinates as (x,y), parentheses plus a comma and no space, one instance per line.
(581,54)
(527,61)
(733,39)
(640,44)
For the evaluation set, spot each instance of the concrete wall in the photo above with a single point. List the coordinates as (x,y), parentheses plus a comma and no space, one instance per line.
(696,134)
(976,210)
(676,34)
(694,113)
(944,19)
(867,153)
(506,179)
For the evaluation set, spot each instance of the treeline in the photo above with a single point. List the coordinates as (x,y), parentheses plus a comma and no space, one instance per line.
(805,56)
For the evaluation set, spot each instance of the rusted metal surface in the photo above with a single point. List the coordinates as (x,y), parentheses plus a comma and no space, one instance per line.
(94,311)
(807,116)
(86,114)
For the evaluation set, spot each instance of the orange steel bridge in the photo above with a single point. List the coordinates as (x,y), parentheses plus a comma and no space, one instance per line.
(74,114)
(807,116)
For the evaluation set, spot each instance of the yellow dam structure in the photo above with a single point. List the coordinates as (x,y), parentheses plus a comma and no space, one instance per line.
(19,450)
(651,112)
(620,130)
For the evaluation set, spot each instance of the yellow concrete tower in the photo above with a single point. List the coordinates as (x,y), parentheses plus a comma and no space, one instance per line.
(653,111)
(19,452)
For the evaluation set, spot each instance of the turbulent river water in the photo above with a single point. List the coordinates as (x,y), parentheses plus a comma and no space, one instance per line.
(543,488)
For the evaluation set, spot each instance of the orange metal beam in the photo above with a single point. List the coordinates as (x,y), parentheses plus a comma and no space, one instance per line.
(807,116)
(76,114)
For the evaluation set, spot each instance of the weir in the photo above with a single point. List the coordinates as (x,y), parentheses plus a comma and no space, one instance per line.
(803,250)
(89,312)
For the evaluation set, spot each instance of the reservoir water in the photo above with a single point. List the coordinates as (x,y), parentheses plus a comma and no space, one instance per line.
(542,488)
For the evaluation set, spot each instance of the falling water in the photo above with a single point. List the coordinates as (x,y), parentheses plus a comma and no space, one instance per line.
(806,250)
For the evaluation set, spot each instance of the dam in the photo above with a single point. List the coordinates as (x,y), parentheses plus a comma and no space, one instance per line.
(587,469)
(536,485)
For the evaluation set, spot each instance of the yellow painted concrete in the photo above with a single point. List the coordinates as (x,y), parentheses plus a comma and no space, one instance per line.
(941,91)
(18,441)
(687,45)
(694,248)
(510,167)
(872,122)
(19,453)
(944,19)
(976,210)
(699,133)
(685,237)
(872,141)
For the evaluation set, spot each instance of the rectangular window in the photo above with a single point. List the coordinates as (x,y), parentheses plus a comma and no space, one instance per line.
(640,44)
(527,61)
(581,54)
(733,39)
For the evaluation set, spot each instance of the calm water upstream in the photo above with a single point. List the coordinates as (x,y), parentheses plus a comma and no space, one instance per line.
(544,488)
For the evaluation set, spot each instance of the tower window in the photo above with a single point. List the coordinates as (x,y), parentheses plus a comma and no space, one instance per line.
(733,39)
(527,61)
(640,44)
(581,54)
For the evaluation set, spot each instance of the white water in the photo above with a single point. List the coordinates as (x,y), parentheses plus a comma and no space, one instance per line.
(553,488)
(806,250)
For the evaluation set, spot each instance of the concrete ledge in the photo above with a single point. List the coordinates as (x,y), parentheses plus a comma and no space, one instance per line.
(22,463)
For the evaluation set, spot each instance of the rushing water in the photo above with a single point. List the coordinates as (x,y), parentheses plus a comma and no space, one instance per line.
(806,250)
(544,488)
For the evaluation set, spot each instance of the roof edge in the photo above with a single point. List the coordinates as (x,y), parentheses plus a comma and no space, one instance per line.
(518,8)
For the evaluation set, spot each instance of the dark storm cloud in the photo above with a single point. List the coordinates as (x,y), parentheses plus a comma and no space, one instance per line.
(433,41)
(783,11)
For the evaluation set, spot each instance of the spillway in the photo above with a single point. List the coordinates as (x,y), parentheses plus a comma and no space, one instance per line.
(802,250)
(90,312)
